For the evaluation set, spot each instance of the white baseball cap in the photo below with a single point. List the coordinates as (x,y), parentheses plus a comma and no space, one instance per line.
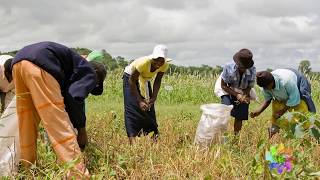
(159,51)
(4,58)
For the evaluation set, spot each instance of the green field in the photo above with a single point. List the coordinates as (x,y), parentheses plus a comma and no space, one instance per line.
(109,155)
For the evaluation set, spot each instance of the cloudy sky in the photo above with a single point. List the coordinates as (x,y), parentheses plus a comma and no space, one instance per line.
(280,33)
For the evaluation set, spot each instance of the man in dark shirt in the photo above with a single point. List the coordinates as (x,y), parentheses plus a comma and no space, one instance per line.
(51,84)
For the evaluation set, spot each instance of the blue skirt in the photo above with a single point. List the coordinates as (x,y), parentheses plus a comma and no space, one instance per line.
(137,122)
(240,111)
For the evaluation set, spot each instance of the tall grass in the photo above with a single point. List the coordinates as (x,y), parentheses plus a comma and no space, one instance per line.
(109,155)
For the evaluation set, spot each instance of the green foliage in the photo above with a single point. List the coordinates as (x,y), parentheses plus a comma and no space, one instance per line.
(305,67)
(202,71)
(183,90)
(82,51)
(300,133)
(109,155)
(300,125)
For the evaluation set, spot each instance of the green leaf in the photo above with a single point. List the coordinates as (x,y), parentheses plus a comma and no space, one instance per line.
(254,163)
(312,119)
(306,124)
(257,157)
(112,173)
(306,143)
(317,123)
(288,116)
(151,134)
(261,143)
(293,128)
(315,174)
(259,169)
(315,133)
(208,177)
(298,132)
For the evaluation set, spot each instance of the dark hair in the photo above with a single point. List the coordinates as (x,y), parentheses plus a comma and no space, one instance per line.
(244,58)
(8,69)
(264,78)
(101,72)
(100,68)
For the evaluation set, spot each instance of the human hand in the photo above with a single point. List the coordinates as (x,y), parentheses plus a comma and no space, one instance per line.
(82,138)
(247,99)
(152,101)
(242,98)
(255,114)
(278,114)
(144,106)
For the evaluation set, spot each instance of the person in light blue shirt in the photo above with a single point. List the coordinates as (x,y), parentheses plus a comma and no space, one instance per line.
(288,89)
(237,79)
(285,88)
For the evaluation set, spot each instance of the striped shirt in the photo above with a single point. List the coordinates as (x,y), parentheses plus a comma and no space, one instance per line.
(231,76)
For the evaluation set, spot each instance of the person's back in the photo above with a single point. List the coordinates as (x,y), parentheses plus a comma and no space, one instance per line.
(285,76)
(287,90)
(43,73)
(66,66)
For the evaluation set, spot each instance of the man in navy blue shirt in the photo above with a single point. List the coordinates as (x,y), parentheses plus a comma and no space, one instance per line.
(51,84)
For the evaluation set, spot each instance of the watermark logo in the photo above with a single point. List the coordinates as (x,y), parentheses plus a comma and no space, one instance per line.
(280,158)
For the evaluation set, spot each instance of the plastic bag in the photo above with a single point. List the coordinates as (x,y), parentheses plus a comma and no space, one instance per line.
(9,140)
(213,123)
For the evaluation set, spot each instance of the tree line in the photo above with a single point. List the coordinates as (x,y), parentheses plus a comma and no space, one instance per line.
(113,63)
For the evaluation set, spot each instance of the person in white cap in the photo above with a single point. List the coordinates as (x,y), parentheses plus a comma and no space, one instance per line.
(139,97)
(6,88)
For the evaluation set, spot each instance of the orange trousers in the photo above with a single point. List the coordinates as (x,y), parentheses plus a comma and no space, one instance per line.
(39,98)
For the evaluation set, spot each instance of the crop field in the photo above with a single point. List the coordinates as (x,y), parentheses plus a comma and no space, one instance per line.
(174,155)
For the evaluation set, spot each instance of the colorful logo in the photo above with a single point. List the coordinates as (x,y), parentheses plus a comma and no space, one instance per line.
(280,158)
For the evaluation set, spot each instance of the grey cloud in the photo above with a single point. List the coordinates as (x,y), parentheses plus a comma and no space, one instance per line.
(274,8)
(280,33)
(176,4)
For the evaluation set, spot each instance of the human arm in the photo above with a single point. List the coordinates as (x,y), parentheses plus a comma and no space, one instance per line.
(246,92)
(83,78)
(133,79)
(156,87)
(227,89)
(251,78)
(76,113)
(263,106)
(281,112)
(82,137)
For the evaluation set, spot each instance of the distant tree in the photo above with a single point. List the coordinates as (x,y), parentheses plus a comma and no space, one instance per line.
(82,51)
(11,53)
(217,70)
(122,63)
(304,67)
(109,61)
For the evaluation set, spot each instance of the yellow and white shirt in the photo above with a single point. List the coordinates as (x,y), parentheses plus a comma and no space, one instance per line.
(143,66)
